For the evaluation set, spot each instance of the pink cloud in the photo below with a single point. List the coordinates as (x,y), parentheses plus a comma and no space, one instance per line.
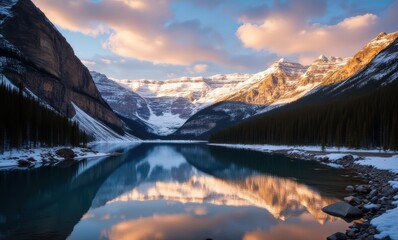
(286,36)
(88,63)
(137,29)
(286,31)
(200,68)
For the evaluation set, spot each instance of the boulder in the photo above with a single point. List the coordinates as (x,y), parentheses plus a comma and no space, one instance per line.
(372,193)
(24,163)
(343,210)
(352,200)
(337,236)
(349,188)
(31,159)
(65,153)
(362,189)
(348,158)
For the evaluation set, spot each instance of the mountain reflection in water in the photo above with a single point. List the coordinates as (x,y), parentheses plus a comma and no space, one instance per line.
(174,191)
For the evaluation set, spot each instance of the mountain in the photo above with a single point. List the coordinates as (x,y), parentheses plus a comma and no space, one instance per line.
(359,112)
(269,85)
(130,107)
(282,83)
(320,81)
(362,58)
(164,106)
(35,55)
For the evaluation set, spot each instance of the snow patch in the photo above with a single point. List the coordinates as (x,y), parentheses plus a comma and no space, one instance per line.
(334,165)
(99,131)
(371,206)
(270,148)
(6,82)
(10,158)
(387,222)
(384,163)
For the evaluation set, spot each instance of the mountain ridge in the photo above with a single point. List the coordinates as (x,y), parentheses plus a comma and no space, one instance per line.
(35,55)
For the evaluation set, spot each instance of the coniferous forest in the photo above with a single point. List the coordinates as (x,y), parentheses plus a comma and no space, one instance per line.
(369,120)
(26,123)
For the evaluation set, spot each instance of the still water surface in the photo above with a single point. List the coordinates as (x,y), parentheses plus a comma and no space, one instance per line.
(173,191)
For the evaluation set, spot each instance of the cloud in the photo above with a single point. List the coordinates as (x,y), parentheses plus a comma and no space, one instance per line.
(285,36)
(88,63)
(140,29)
(106,61)
(200,68)
(196,69)
(287,31)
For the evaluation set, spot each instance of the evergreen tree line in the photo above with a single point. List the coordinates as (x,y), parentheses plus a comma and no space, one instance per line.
(365,121)
(26,123)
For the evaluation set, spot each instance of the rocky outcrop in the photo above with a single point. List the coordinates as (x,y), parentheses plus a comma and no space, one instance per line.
(285,81)
(280,78)
(47,65)
(121,100)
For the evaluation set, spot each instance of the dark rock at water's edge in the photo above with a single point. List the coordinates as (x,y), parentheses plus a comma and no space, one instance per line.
(343,210)
(45,63)
(24,163)
(352,200)
(66,153)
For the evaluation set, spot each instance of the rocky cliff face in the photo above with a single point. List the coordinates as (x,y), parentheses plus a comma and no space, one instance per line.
(285,81)
(362,58)
(282,83)
(379,72)
(120,99)
(270,84)
(166,105)
(47,65)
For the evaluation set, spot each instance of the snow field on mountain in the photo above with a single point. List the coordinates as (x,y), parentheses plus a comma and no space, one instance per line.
(98,130)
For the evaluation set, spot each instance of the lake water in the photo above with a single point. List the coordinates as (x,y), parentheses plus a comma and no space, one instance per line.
(173,191)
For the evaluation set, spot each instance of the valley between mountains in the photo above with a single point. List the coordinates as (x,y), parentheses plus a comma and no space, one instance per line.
(196,107)
(189,156)
(184,108)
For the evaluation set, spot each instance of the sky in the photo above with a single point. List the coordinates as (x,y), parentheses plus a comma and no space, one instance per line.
(164,39)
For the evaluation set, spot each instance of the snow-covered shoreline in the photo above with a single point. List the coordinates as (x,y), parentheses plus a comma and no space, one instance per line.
(358,159)
(273,148)
(41,156)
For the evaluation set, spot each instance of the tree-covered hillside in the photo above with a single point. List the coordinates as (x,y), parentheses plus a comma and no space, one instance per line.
(367,120)
(26,123)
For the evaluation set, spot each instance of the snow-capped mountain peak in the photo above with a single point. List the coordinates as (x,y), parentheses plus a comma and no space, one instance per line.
(322,57)
(168,104)
(361,58)
(322,67)
(173,102)
(165,105)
